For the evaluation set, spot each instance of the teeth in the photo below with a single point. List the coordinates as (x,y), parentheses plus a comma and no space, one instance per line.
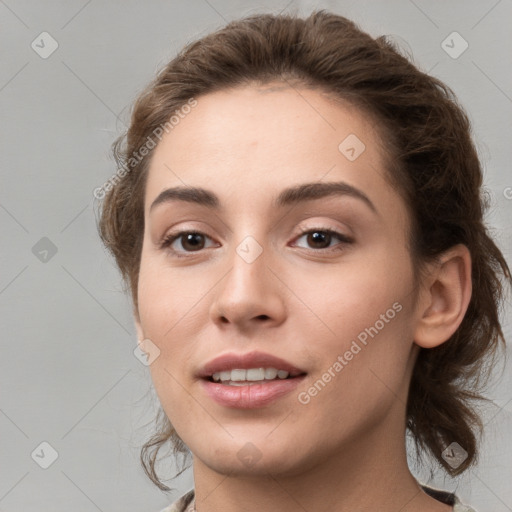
(238,375)
(224,375)
(251,375)
(255,374)
(270,373)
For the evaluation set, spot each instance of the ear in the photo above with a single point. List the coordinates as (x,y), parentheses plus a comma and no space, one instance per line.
(445,298)
(138,325)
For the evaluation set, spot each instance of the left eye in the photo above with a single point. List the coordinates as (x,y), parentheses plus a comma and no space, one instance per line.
(322,238)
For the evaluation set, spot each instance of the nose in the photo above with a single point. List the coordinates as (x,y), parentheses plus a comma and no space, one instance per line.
(250,295)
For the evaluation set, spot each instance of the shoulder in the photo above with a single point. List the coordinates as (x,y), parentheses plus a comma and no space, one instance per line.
(449,498)
(186,502)
(183,504)
(460,507)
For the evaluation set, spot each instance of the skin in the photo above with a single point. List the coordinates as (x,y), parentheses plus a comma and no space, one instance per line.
(306,303)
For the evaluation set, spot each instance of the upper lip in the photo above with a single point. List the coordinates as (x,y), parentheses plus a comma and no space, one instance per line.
(248,360)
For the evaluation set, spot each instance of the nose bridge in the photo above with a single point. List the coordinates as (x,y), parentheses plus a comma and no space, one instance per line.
(249,290)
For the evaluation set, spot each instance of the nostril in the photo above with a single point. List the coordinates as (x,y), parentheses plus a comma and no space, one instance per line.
(224,320)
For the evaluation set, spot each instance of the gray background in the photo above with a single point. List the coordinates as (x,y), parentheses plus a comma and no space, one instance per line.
(69,376)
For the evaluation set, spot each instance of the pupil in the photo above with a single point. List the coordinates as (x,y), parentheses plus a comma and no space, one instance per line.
(318,237)
(193,238)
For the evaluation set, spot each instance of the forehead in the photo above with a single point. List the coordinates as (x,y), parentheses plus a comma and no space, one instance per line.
(253,141)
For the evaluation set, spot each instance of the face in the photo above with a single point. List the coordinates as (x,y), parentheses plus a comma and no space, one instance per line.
(315,281)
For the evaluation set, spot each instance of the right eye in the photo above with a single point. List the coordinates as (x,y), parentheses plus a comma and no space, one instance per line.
(190,241)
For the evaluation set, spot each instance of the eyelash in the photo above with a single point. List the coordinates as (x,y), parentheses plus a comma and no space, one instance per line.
(172,237)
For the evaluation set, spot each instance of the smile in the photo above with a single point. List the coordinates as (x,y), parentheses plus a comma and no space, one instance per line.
(241,377)
(249,380)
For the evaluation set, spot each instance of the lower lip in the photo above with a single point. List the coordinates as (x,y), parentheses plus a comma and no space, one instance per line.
(250,396)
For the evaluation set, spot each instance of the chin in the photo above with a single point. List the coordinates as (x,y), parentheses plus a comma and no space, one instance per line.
(255,457)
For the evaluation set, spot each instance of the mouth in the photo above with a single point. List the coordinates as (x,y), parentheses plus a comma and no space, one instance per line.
(251,376)
(248,381)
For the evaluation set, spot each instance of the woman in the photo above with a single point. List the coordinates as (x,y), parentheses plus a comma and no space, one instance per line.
(299,220)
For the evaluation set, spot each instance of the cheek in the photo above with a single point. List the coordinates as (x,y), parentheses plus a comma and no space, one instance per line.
(166,314)
(364,312)
(167,297)
(172,310)
(362,363)
(352,297)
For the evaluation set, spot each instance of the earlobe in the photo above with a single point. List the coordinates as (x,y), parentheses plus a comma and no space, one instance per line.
(446,298)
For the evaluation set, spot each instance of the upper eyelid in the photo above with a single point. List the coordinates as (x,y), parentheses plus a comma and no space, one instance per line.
(301,231)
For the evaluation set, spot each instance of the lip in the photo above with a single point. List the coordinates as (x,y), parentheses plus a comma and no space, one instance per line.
(252,395)
(231,361)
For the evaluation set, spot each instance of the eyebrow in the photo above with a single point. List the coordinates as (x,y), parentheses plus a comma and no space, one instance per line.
(290,196)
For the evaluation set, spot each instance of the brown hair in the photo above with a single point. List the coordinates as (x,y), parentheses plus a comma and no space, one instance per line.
(435,168)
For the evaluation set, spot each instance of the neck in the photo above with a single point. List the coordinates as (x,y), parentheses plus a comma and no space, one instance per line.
(367,473)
